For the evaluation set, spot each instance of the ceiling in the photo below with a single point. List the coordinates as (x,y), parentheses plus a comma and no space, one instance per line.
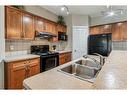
(93,11)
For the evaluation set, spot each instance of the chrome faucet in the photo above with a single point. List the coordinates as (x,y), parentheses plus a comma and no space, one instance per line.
(86,56)
(102,59)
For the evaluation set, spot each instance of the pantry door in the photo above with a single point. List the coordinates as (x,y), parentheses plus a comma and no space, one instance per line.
(79,41)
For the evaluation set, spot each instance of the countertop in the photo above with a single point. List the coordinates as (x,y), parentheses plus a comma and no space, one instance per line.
(53,79)
(20,57)
(64,51)
(112,76)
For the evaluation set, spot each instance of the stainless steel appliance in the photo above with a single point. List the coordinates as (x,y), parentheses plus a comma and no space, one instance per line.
(48,59)
(100,44)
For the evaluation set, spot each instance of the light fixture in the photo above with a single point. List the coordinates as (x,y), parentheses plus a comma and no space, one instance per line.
(65,8)
(110,12)
(62,8)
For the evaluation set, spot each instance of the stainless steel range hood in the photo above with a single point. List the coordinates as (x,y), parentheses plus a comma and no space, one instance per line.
(45,35)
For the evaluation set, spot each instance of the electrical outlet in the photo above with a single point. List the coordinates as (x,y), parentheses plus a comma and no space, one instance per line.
(11,47)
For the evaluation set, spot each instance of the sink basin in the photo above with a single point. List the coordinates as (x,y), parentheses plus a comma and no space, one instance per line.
(89,62)
(82,72)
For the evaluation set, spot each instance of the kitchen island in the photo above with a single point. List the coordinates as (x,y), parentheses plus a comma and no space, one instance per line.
(112,76)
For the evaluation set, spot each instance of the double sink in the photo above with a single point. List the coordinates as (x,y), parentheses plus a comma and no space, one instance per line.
(84,69)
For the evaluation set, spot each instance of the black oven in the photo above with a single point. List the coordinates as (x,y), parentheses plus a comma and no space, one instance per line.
(48,59)
(49,62)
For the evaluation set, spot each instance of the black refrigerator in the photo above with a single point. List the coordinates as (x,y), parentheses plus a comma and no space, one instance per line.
(101,44)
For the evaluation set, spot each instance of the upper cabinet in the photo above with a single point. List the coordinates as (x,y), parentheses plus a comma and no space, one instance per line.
(19,25)
(119,31)
(24,25)
(61,28)
(102,29)
(13,23)
(95,30)
(28,26)
(39,24)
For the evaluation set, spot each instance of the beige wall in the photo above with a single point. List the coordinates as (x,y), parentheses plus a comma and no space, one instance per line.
(2,46)
(41,12)
(73,20)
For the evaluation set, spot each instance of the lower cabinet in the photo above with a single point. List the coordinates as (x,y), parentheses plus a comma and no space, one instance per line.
(16,72)
(64,58)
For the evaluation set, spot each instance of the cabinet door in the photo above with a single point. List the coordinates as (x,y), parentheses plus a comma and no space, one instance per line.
(59,28)
(116,35)
(28,26)
(62,59)
(95,30)
(64,29)
(123,30)
(33,67)
(68,57)
(104,29)
(13,23)
(48,27)
(39,24)
(18,74)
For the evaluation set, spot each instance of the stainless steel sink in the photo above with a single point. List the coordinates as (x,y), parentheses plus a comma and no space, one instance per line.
(89,62)
(79,71)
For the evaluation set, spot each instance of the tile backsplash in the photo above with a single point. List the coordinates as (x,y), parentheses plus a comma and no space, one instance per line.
(119,45)
(19,47)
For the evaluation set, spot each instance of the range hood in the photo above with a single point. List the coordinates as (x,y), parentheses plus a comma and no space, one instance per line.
(45,35)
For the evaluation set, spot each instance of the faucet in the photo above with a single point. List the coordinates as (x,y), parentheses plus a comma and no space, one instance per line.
(102,59)
(85,56)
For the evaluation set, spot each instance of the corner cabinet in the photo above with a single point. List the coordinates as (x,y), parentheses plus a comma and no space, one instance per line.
(18,24)
(16,72)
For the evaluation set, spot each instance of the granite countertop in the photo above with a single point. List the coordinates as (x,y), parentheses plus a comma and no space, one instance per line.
(20,57)
(112,76)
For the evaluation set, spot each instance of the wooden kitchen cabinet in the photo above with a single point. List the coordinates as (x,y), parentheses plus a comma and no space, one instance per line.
(101,29)
(119,31)
(13,23)
(61,28)
(39,24)
(95,30)
(16,72)
(104,29)
(28,26)
(19,24)
(64,58)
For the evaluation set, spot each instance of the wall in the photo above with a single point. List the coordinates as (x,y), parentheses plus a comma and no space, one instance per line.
(80,20)
(41,12)
(75,20)
(2,46)
(104,20)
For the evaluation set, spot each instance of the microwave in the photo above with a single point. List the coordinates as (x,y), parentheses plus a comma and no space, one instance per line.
(62,36)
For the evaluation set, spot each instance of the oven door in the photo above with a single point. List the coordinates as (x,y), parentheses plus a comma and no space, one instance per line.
(49,62)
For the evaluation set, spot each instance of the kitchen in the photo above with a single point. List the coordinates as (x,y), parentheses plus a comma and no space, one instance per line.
(36,47)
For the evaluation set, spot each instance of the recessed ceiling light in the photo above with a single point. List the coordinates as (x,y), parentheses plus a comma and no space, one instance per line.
(62,8)
(67,12)
(111,13)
